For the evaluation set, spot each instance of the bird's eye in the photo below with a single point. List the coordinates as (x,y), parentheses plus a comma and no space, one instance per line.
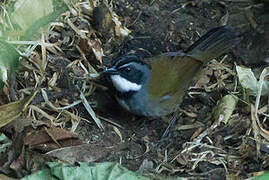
(127,69)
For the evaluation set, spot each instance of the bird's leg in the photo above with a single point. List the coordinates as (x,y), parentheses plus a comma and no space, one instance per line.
(172,122)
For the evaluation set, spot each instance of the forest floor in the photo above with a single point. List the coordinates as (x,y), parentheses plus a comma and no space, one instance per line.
(198,145)
(173,25)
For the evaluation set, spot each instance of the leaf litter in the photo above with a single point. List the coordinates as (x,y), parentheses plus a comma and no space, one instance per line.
(61,67)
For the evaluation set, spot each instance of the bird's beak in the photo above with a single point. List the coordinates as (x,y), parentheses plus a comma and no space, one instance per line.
(111,71)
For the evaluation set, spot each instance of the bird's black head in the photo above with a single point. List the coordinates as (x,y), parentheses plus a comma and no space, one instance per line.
(128,73)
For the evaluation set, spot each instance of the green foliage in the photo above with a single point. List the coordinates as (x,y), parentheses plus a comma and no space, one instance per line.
(23,20)
(4,143)
(225,108)
(8,61)
(264,176)
(249,82)
(92,171)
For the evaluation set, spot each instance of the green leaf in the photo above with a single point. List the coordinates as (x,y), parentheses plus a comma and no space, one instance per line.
(9,59)
(95,171)
(58,9)
(249,82)
(5,143)
(28,11)
(225,108)
(28,16)
(264,176)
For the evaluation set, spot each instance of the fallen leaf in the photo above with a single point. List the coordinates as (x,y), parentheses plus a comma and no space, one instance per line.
(249,82)
(225,107)
(80,153)
(42,136)
(11,111)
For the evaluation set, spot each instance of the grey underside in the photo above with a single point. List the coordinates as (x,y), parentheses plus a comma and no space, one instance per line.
(141,105)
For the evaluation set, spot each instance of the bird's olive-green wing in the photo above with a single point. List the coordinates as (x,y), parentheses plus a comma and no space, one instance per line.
(170,76)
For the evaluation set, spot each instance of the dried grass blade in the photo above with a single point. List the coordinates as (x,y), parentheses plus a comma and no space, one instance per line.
(90,111)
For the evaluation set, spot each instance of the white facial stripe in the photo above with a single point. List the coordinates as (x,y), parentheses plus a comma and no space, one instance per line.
(123,85)
(125,65)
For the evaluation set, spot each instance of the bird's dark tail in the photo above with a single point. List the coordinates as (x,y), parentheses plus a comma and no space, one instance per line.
(213,44)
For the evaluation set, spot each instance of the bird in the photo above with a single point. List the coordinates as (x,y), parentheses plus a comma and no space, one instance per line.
(154,87)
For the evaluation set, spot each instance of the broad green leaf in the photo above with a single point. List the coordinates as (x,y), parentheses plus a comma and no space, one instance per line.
(59,7)
(249,82)
(264,176)
(28,16)
(28,11)
(9,59)
(91,171)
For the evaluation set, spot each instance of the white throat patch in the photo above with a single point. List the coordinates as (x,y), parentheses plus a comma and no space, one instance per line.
(123,85)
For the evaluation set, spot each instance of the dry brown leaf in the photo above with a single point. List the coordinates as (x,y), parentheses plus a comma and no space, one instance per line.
(96,47)
(83,153)
(42,136)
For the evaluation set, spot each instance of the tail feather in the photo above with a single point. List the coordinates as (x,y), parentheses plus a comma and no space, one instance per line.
(213,44)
